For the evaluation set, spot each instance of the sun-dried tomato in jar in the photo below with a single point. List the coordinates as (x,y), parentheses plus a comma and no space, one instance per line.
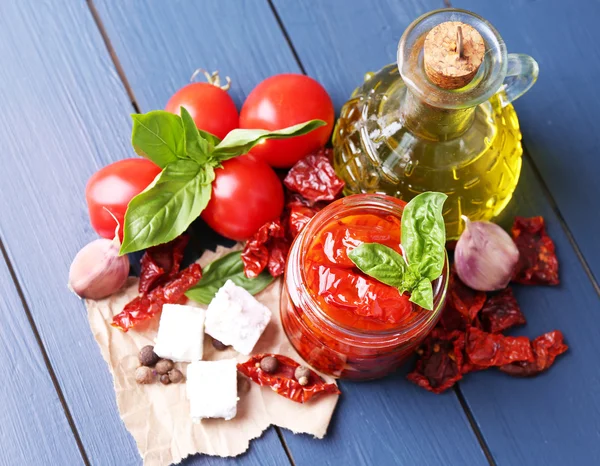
(341,321)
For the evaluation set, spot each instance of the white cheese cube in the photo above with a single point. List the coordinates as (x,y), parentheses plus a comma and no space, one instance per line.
(235,318)
(180,333)
(211,387)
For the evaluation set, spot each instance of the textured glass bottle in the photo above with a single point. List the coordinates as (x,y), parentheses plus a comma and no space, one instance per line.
(400,134)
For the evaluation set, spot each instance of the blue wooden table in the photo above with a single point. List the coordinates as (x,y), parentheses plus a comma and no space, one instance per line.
(71,73)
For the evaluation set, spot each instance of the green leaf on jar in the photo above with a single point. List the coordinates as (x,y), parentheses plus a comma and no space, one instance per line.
(380,262)
(424,233)
(422,294)
(228,267)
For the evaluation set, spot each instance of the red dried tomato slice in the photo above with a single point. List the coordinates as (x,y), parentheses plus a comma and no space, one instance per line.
(314,178)
(440,364)
(501,312)
(546,348)
(265,248)
(161,263)
(464,299)
(451,319)
(143,308)
(493,349)
(283,381)
(538,264)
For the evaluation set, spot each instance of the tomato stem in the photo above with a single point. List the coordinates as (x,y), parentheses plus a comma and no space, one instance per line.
(213,78)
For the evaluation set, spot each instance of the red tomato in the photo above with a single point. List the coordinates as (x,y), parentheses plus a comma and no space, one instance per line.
(113,187)
(284,100)
(246,194)
(211,107)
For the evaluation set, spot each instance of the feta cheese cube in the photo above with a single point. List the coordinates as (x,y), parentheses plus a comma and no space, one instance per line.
(235,318)
(180,333)
(211,388)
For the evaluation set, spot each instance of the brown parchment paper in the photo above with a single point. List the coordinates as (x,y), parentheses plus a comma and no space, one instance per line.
(157,416)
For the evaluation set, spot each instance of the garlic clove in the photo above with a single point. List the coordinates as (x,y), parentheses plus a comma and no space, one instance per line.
(97,271)
(485,256)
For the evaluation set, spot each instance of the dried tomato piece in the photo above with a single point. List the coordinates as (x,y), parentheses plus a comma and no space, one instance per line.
(267,247)
(464,299)
(298,217)
(143,308)
(451,319)
(493,349)
(501,312)
(537,264)
(283,382)
(314,178)
(546,348)
(441,359)
(161,263)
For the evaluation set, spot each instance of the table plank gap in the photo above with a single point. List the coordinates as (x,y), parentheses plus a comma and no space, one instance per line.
(288,452)
(561,219)
(44,353)
(287,36)
(480,438)
(113,55)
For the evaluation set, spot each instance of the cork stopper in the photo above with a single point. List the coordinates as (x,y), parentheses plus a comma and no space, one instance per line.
(453,52)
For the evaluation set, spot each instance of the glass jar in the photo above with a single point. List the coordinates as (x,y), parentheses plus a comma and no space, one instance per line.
(329,345)
(401,134)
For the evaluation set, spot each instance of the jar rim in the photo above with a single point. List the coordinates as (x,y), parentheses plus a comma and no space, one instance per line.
(358,201)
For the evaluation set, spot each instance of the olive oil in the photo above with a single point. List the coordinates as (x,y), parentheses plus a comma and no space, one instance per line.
(376,152)
(402,135)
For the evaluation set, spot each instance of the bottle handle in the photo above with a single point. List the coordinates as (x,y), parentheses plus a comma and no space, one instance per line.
(522,73)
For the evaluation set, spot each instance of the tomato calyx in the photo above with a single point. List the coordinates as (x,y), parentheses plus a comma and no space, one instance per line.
(212,78)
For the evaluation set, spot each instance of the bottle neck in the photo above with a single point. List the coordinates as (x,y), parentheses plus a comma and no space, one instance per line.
(432,123)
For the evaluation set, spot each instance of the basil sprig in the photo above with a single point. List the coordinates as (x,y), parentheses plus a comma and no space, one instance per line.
(423,243)
(229,267)
(189,158)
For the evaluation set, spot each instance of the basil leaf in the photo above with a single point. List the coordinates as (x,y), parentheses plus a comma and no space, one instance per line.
(240,141)
(211,140)
(380,262)
(229,267)
(158,136)
(424,233)
(196,147)
(167,207)
(422,294)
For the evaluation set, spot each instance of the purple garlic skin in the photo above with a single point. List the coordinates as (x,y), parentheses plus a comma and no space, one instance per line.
(97,271)
(485,256)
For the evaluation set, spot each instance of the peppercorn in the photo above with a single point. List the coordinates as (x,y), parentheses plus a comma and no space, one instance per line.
(148,357)
(218,345)
(302,372)
(164,379)
(163,366)
(144,375)
(175,376)
(269,364)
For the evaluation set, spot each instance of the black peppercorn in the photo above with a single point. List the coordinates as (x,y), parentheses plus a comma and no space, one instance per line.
(147,356)
(164,379)
(218,345)
(269,364)
(302,375)
(175,376)
(163,366)
(144,375)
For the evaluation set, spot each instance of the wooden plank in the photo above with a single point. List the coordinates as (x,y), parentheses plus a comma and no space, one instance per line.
(377,422)
(34,424)
(65,114)
(559,114)
(552,419)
